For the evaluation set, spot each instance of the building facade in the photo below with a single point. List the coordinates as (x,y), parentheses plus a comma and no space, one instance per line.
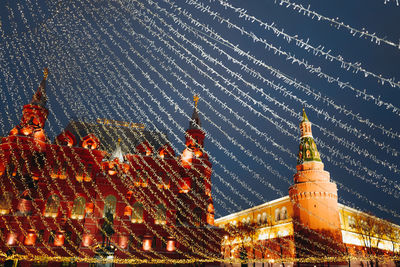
(104,191)
(309,224)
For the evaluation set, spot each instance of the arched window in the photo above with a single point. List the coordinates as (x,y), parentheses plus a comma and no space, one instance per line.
(52,205)
(78,210)
(161,214)
(264,218)
(283,214)
(5,202)
(277,215)
(110,205)
(137,212)
(259,219)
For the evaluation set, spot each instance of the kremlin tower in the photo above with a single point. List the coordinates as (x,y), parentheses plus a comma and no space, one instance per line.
(314,198)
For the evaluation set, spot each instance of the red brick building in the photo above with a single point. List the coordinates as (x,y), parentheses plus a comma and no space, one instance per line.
(105,190)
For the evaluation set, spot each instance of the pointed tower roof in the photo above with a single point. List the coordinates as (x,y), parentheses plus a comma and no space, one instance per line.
(195,121)
(40,97)
(307,149)
(117,153)
(304,116)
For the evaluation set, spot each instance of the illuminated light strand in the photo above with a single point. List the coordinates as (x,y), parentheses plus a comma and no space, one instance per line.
(326,115)
(316,50)
(391,166)
(36,207)
(329,159)
(263,148)
(306,11)
(158,104)
(368,201)
(50,189)
(289,57)
(89,194)
(292,135)
(388,1)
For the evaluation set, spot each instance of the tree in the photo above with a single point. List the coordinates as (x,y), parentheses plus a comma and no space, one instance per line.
(369,229)
(245,233)
(393,235)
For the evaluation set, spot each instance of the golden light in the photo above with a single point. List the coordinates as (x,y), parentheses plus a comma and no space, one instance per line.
(170,244)
(123,241)
(187,156)
(30,239)
(12,239)
(87,240)
(59,240)
(147,239)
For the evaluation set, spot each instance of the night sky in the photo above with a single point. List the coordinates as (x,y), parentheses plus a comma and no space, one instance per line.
(142,62)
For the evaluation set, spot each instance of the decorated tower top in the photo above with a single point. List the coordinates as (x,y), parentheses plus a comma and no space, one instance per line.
(40,97)
(307,149)
(195,121)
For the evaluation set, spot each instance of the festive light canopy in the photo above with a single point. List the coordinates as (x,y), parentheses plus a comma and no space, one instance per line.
(251,65)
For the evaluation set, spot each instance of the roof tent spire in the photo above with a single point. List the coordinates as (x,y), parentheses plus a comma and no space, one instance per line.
(40,97)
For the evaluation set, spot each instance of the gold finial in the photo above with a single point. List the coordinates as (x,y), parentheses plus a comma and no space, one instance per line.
(45,73)
(119,141)
(304,116)
(195,99)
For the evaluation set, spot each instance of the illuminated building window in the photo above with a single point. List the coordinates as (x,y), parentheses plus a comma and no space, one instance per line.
(283,214)
(161,214)
(5,202)
(137,213)
(110,205)
(78,210)
(52,205)
(264,218)
(259,219)
(277,215)
(352,222)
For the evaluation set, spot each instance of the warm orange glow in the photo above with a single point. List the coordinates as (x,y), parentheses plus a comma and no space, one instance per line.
(11,239)
(123,241)
(30,239)
(198,153)
(127,211)
(86,240)
(186,158)
(89,208)
(210,218)
(14,131)
(147,243)
(185,185)
(26,131)
(171,245)
(59,240)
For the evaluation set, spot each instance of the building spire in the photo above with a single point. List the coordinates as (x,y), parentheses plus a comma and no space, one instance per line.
(40,97)
(304,116)
(195,121)
(307,149)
